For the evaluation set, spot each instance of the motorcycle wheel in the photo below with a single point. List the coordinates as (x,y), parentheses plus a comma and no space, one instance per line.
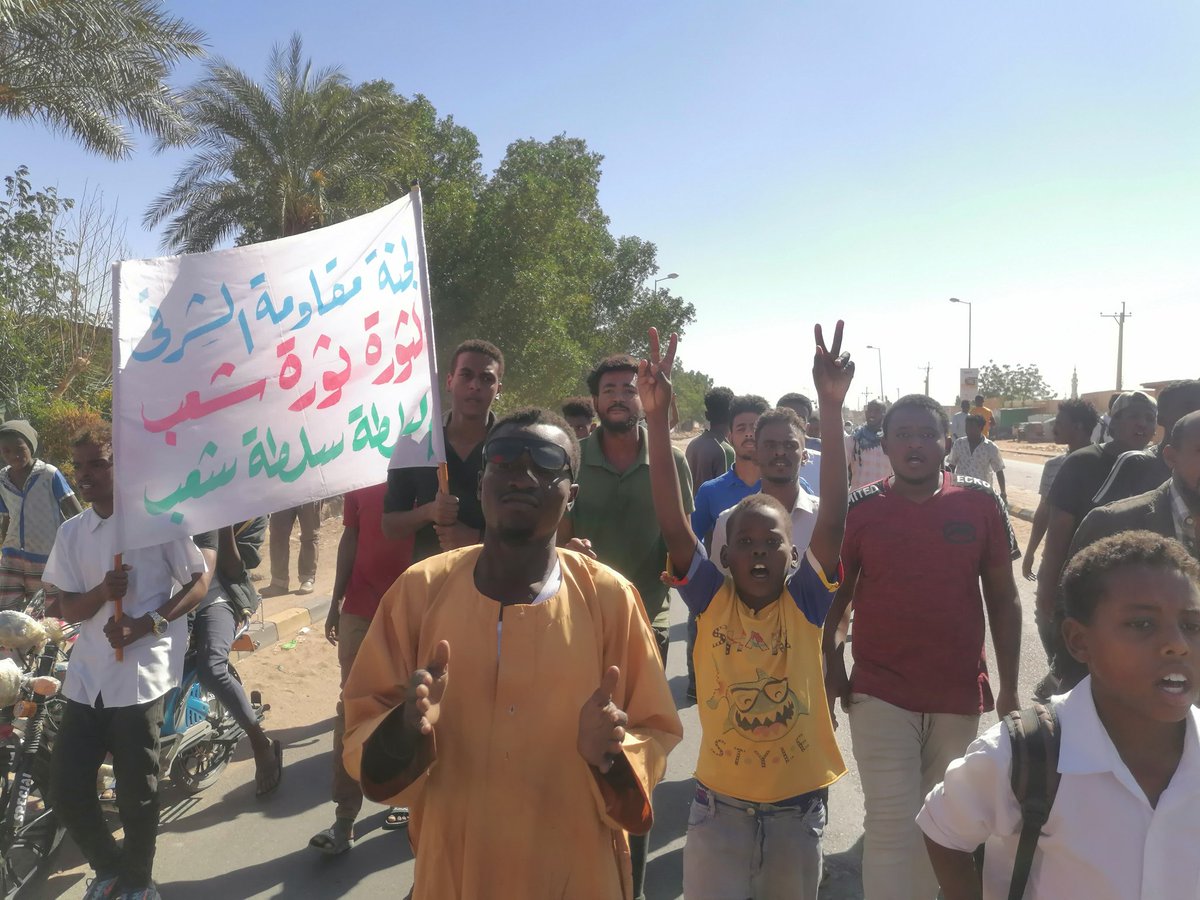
(200,767)
(34,846)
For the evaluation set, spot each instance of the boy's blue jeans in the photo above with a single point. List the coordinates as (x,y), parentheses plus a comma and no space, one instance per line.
(764,851)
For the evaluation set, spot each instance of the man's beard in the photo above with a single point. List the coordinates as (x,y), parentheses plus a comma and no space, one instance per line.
(515,535)
(622,426)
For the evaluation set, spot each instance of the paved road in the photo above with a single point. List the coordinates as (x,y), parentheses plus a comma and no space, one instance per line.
(1022,474)
(226,844)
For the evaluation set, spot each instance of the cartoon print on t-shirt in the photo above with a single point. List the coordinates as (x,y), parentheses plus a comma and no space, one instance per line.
(765,709)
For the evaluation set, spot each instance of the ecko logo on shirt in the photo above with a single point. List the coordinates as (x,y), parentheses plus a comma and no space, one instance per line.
(958,533)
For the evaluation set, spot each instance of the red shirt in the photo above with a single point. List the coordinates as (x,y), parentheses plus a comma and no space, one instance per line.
(379,561)
(918,636)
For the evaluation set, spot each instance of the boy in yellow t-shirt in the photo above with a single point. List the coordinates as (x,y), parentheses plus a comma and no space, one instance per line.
(767,749)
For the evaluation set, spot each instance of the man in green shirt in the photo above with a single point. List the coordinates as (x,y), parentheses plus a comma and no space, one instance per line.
(614,510)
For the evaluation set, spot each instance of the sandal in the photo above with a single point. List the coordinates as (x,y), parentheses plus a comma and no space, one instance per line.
(263,789)
(334,840)
(397,817)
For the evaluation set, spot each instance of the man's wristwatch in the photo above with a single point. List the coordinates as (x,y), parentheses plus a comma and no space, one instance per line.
(158,623)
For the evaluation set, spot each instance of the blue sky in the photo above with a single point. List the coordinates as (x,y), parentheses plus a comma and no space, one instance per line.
(797,162)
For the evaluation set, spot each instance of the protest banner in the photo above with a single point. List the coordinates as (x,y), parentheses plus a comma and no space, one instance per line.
(253,379)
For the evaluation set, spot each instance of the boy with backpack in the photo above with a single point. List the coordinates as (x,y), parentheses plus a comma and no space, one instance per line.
(1098,798)
(768,751)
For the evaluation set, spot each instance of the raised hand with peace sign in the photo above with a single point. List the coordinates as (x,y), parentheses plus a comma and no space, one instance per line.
(833,370)
(654,377)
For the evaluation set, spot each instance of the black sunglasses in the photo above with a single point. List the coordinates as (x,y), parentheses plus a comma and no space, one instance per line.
(547,457)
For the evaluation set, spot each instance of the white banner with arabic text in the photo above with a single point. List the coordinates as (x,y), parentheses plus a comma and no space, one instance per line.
(253,379)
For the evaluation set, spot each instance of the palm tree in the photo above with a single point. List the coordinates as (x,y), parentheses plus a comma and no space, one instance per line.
(276,159)
(88,68)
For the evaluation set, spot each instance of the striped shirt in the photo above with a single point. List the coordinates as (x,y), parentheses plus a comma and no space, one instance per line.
(34,511)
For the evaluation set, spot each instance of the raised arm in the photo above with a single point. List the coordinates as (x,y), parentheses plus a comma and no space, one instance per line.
(833,372)
(654,388)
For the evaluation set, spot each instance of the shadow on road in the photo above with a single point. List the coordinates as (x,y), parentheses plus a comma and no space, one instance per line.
(296,874)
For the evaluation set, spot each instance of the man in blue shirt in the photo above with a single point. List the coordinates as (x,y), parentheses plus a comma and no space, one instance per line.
(726,491)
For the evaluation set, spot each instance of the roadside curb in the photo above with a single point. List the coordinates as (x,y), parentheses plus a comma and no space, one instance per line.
(1021,512)
(286,623)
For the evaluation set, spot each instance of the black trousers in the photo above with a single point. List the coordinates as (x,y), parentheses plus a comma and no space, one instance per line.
(638,843)
(212,635)
(130,734)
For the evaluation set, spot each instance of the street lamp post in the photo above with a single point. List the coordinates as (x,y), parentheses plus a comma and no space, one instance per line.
(969,316)
(664,278)
(879,351)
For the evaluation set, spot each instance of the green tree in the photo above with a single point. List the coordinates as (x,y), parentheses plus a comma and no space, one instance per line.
(547,282)
(55,295)
(277,158)
(1020,382)
(690,387)
(91,68)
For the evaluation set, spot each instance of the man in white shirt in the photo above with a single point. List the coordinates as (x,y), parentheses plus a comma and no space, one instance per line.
(977,457)
(958,422)
(116,706)
(810,467)
(864,449)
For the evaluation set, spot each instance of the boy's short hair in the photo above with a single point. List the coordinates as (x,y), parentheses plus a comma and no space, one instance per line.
(619,362)
(1084,578)
(792,401)
(579,406)
(918,401)
(1081,412)
(716,405)
(535,415)
(777,415)
(747,403)
(976,420)
(474,345)
(1179,395)
(98,434)
(758,502)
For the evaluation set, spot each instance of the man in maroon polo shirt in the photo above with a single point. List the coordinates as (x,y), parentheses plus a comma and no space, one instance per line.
(367,565)
(917,546)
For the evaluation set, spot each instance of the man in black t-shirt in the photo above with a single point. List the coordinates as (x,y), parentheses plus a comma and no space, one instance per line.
(412,504)
(1139,471)
(1072,496)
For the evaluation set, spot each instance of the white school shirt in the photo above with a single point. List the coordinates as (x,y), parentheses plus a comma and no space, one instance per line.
(1103,841)
(82,556)
(804,521)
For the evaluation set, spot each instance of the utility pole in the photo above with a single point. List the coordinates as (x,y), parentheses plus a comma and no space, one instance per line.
(926,367)
(1120,320)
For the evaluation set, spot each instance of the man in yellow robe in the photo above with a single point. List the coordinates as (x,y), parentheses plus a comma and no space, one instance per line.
(511,694)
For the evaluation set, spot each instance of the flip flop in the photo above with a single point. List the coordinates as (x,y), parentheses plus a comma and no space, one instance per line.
(277,750)
(397,817)
(331,841)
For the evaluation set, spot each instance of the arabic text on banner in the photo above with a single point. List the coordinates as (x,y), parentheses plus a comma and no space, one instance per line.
(253,379)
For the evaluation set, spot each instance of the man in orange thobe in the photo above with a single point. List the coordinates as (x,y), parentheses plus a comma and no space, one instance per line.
(511,694)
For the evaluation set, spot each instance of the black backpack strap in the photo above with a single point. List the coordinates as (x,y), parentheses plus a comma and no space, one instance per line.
(1035,739)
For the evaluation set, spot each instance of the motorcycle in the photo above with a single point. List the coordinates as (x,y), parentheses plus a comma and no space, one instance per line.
(30,831)
(199,736)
